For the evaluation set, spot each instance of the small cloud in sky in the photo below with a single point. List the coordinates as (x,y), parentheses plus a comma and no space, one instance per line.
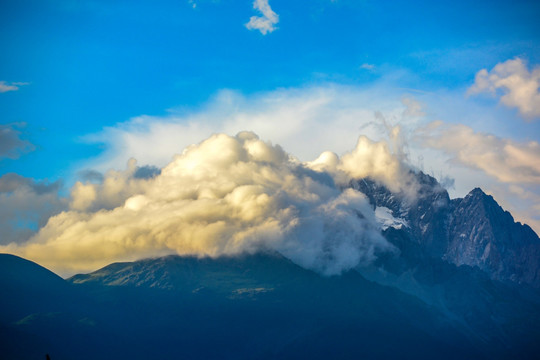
(518,85)
(265,23)
(192,3)
(367,66)
(413,108)
(11,145)
(10,86)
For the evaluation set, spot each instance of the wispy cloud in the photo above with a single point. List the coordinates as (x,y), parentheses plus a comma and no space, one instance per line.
(367,66)
(26,205)
(11,144)
(518,85)
(506,160)
(10,86)
(413,107)
(265,23)
(297,119)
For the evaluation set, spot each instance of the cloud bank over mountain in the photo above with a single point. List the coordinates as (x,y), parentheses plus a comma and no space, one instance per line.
(225,195)
(307,121)
(110,213)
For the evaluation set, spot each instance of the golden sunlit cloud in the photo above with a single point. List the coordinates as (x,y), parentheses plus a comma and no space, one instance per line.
(226,195)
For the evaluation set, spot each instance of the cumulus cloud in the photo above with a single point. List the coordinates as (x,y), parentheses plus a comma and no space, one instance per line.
(518,85)
(506,160)
(376,161)
(225,195)
(265,23)
(13,86)
(112,189)
(11,144)
(25,206)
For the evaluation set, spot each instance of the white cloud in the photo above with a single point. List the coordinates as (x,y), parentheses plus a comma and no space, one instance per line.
(265,23)
(13,86)
(226,195)
(298,119)
(519,86)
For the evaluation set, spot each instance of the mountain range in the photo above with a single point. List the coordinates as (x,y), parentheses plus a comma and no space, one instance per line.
(463,282)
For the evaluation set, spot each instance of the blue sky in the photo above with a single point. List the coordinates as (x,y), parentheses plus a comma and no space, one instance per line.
(86,83)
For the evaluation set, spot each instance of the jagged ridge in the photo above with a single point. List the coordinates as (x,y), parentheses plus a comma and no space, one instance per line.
(472,231)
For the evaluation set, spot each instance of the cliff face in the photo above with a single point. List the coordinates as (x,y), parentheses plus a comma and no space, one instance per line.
(482,234)
(473,231)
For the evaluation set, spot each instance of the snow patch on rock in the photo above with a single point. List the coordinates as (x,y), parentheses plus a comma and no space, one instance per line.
(386,219)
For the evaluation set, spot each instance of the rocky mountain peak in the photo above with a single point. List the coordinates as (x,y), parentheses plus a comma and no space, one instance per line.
(474,230)
(483,234)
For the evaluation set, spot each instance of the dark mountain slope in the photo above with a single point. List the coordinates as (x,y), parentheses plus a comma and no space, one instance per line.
(255,306)
(279,310)
(504,315)
(38,310)
(28,288)
(482,234)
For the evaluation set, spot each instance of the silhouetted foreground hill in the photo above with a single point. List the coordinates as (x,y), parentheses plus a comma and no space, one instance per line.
(249,307)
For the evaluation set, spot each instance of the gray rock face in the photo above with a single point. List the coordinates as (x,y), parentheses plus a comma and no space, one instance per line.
(473,231)
(482,234)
